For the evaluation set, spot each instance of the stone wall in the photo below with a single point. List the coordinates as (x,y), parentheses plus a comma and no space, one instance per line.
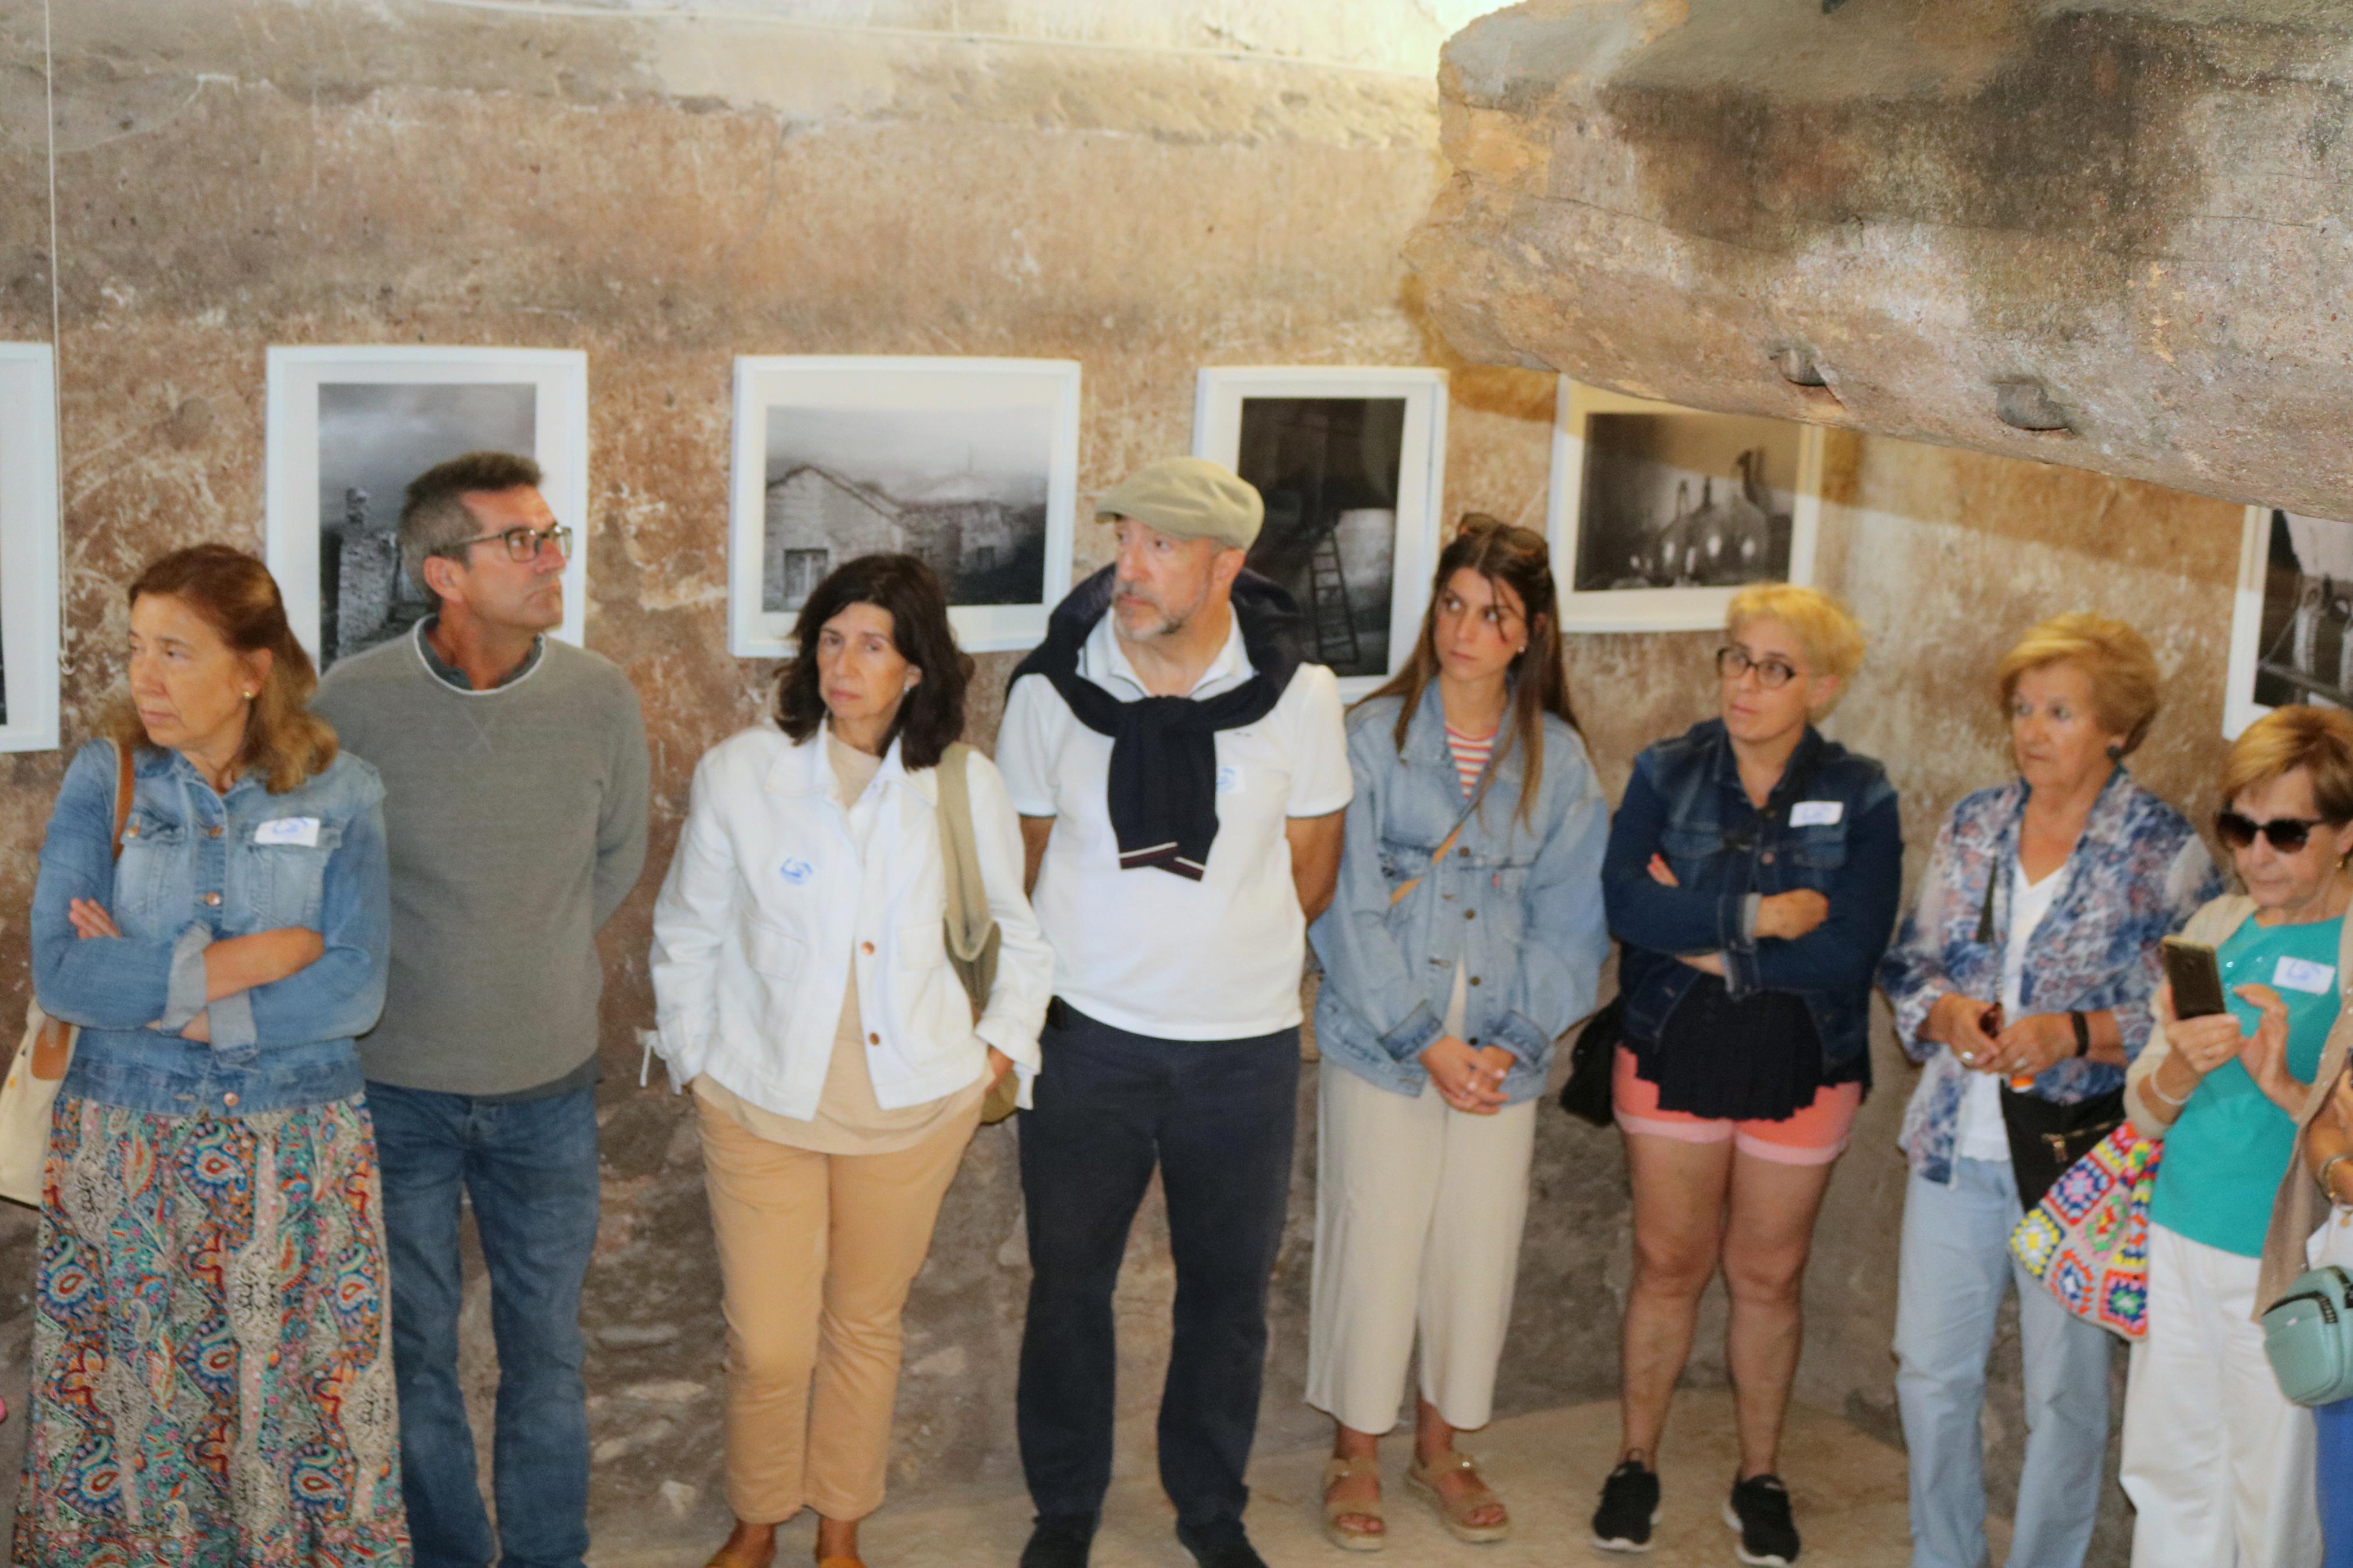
(1125,185)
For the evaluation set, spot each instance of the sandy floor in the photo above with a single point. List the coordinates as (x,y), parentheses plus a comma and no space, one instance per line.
(1848,1491)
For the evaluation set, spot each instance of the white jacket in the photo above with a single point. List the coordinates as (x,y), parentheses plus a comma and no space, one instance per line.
(768,901)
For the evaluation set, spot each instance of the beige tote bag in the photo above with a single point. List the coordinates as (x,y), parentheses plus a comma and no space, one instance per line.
(30,1094)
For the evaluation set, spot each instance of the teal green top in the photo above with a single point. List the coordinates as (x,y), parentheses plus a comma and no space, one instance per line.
(2230,1147)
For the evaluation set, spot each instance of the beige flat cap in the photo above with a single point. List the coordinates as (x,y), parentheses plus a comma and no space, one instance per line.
(1188,498)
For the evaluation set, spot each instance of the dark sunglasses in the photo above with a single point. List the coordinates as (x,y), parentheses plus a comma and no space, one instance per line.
(2288,835)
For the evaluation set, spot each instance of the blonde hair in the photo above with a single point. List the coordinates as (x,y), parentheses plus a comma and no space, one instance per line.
(1833,639)
(2112,656)
(2317,740)
(239,598)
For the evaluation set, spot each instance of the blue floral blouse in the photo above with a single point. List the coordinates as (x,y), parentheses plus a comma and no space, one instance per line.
(2137,874)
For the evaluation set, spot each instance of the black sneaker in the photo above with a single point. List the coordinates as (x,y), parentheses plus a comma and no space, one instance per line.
(1629,1505)
(1058,1542)
(1221,1545)
(1759,1510)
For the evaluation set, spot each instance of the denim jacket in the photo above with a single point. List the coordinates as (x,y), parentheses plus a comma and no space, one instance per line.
(2138,872)
(197,865)
(1517,903)
(1830,824)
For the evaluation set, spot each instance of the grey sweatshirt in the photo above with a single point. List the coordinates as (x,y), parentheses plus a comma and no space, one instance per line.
(516,823)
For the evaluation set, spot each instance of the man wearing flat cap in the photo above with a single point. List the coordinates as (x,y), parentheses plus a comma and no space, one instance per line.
(1180,771)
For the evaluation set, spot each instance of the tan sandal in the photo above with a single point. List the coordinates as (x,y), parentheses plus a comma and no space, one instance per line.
(1456,1515)
(1336,1470)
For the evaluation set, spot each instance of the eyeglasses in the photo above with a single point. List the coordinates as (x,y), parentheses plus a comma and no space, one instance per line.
(1772,674)
(2288,834)
(522,544)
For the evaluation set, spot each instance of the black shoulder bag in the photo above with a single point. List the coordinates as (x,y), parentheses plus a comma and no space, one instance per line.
(2045,1137)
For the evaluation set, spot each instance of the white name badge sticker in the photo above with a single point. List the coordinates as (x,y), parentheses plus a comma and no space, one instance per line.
(2303,975)
(299,830)
(1230,780)
(1816,813)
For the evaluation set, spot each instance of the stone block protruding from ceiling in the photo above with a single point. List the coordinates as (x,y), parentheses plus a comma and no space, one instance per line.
(2116,233)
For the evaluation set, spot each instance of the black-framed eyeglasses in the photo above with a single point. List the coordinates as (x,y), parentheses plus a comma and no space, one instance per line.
(2288,835)
(1772,674)
(522,544)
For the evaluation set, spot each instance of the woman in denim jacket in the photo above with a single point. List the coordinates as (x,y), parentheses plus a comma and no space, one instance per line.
(212,1371)
(1753,875)
(1465,936)
(2030,955)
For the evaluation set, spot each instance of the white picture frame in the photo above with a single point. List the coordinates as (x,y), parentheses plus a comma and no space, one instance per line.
(1272,425)
(2291,617)
(395,411)
(972,464)
(28,548)
(1611,569)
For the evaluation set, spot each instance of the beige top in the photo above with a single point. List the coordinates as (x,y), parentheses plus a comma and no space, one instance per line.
(849,1119)
(2299,1207)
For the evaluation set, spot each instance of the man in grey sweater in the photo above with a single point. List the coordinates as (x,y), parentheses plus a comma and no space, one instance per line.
(515,778)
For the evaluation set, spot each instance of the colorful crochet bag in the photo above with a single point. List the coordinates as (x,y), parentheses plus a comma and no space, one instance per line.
(2088,1241)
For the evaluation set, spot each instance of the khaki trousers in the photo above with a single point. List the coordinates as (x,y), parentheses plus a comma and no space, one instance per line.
(1419,1213)
(816,1253)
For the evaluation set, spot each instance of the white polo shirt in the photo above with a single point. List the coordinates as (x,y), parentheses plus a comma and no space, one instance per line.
(1147,950)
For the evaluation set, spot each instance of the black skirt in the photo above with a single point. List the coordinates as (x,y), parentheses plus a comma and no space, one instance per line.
(1757,1060)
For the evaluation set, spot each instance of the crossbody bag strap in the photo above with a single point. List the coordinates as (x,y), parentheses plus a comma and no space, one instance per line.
(123,790)
(969,920)
(1398,895)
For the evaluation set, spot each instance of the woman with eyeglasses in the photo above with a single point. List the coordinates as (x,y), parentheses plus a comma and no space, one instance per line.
(1465,937)
(2020,979)
(1753,873)
(2217,1464)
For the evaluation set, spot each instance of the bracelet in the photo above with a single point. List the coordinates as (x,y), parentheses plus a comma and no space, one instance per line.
(2160,1094)
(2328,1171)
(2082,1035)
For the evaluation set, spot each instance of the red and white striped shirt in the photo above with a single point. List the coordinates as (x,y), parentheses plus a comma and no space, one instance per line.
(1471,754)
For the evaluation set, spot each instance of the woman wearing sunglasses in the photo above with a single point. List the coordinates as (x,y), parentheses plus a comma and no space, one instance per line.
(2217,1464)
(2022,981)
(1753,873)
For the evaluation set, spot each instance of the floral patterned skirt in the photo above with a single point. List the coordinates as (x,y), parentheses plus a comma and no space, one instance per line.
(212,1352)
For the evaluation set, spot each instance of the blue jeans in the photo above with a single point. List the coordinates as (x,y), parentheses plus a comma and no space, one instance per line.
(530,1169)
(2332,1427)
(1217,1118)
(1955,1268)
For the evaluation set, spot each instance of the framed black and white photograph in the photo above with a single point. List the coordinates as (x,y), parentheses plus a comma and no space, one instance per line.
(1350,462)
(971,464)
(349,427)
(2292,622)
(1660,514)
(28,548)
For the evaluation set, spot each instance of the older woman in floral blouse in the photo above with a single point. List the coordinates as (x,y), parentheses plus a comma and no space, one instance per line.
(2031,959)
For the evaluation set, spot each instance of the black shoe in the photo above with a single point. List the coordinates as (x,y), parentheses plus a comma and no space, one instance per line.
(1219,1545)
(1629,1505)
(1759,1510)
(1058,1542)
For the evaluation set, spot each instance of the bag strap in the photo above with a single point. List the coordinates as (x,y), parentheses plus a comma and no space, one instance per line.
(122,791)
(1398,895)
(969,922)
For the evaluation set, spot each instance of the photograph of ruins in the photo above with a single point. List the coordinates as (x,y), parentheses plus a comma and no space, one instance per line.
(373,437)
(962,489)
(2305,639)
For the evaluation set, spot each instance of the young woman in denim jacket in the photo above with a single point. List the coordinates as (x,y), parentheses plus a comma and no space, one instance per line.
(2048,896)
(212,1368)
(1753,875)
(1465,936)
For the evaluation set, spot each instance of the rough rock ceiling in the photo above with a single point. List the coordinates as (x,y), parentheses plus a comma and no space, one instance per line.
(2114,235)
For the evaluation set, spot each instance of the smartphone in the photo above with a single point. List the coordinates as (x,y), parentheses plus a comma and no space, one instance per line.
(2191,969)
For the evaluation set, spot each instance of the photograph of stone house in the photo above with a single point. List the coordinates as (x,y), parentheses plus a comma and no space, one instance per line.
(373,437)
(964,488)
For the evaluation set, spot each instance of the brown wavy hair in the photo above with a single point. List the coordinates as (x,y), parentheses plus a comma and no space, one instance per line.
(930,717)
(1501,553)
(237,597)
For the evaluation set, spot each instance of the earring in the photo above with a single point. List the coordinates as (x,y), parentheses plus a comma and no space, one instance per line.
(2115,753)
(249,696)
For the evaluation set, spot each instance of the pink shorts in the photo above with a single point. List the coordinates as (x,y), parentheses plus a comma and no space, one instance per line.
(1815,1135)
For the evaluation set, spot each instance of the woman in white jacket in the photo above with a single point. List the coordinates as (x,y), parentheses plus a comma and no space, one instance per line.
(803,989)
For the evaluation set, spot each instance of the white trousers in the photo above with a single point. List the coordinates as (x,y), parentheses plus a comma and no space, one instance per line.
(2216,1463)
(1418,1211)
